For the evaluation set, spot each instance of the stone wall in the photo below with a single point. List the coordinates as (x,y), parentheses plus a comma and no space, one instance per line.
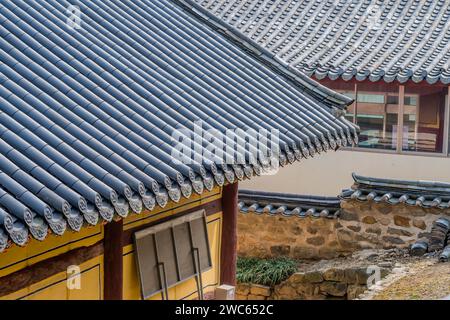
(249,291)
(361,225)
(266,236)
(380,225)
(332,283)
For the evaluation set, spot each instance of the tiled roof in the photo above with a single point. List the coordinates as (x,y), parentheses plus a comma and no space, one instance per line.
(372,39)
(87,114)
(288,205)
(427,194)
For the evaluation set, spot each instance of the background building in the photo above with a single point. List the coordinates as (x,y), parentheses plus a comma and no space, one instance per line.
(391,57)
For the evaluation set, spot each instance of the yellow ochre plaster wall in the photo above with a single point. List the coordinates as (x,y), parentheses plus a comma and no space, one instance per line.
(184,290)
(91,271)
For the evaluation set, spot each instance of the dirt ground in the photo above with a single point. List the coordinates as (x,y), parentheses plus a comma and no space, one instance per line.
(425,279)
(409,278)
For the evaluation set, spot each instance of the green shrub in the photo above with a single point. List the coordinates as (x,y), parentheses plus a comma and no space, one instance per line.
(266,272)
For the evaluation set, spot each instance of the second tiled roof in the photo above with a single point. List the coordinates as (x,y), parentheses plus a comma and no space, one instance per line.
(427,194)
(372,39)
(288,205)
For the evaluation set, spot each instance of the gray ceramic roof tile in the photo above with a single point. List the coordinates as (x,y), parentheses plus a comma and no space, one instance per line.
(427,194)
(87,115)
(372,39)
(289,205)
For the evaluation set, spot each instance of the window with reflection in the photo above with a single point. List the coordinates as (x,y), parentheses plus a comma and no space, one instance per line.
(377,117)
(423,119)
(379,114)
(376,111)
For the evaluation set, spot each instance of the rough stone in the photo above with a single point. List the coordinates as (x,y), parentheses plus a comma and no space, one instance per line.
(393,240)
(260,290)
(283,291)
(419,223)
(374,230)
(384,209)
(312,229)
(316,297)
(385,264)
(334,274)
(402,221)
(307,289)
(350,275)
(333,243)
(418,212)
(384,221)
(348,204)
(399,232)
(435,211)
(304,252)
(275,229)
(345,239)
(243,289)
(369,220)
(365,206)
(349,216)
(240,297)
(336,289)
(313,277)
(280,250)
(296,230)
(353,291)
(370,237)
(362,275)
(384,271)
(356,275)
(328,253)
(255,297)
(354,228)
(338,225)
(319,223)
(298,277)
(316,241)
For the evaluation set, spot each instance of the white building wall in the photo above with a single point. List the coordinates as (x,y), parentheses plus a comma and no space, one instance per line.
(327,174)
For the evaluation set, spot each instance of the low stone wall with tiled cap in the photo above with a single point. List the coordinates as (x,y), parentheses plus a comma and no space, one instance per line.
(381,225)
(360,225)
(263,235)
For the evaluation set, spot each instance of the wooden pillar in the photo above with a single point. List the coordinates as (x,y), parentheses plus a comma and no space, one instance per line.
(113,261)
(401,110)
(228,254)
(445,147)
(355,110)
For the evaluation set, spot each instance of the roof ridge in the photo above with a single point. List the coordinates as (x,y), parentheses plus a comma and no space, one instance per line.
(246,193)
(426,194)
(288,205)
(372,181)
(267,57)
